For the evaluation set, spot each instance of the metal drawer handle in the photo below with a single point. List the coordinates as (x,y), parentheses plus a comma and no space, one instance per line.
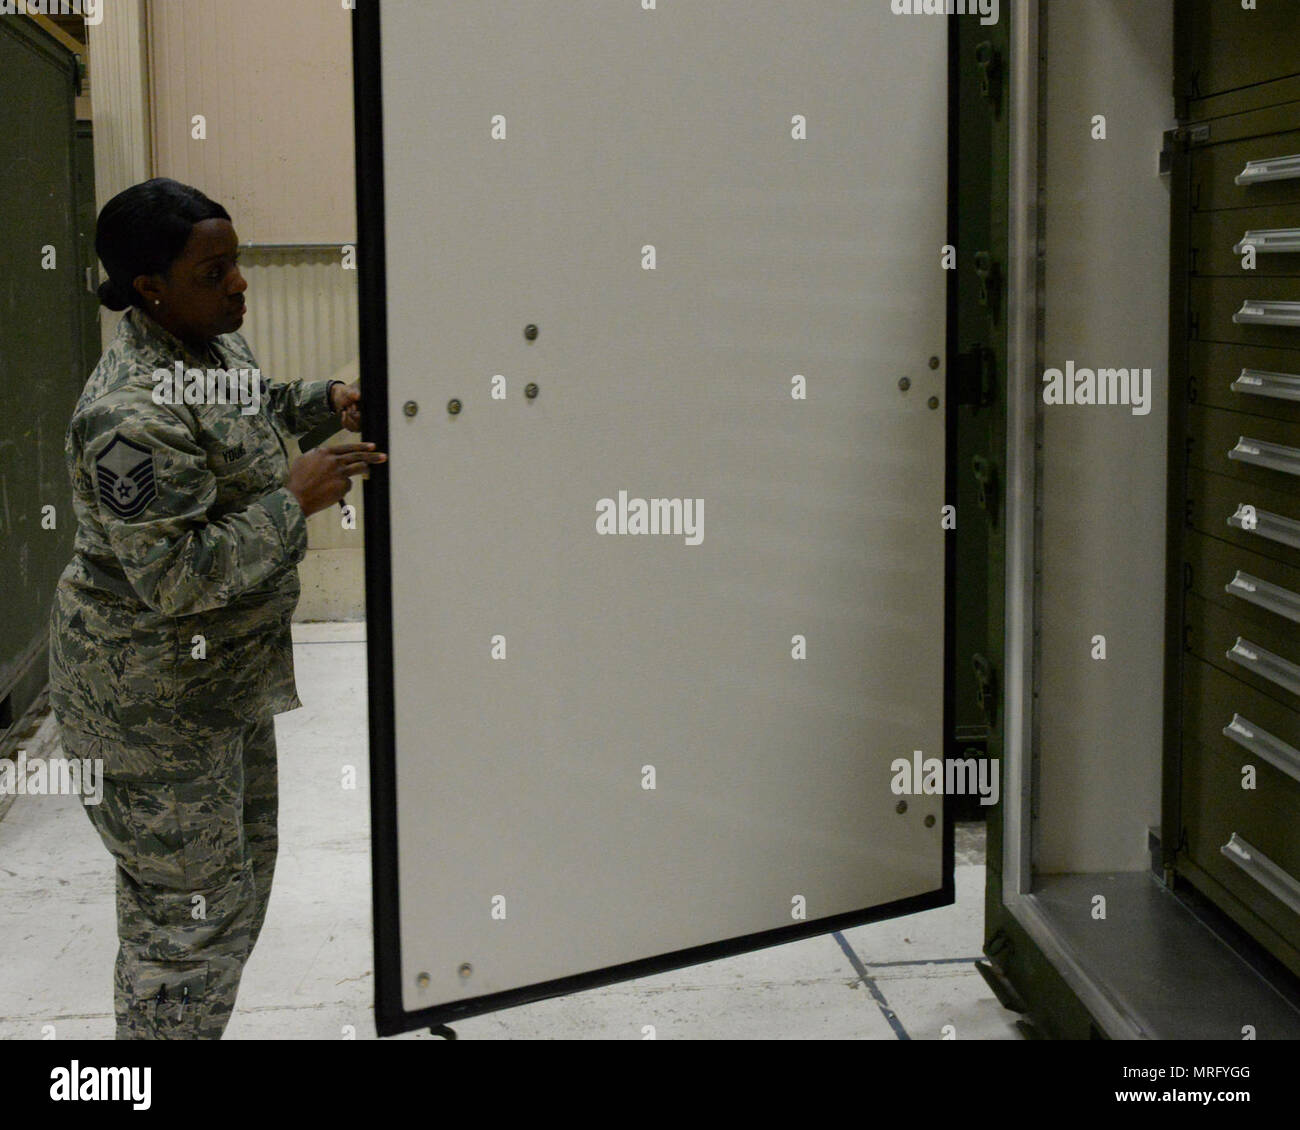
(1263,454)
(1264,871)
(1267,525)
(1280,386)
(1254,313)
(1265,664)
(1272,597)
(1272,239)
(1272,168)
(1263,744)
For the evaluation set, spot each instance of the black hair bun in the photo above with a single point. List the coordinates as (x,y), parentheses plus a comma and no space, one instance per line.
(110,294)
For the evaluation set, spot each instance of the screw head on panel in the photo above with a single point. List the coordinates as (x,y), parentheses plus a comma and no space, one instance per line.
(530,332)
(465,970)
(423,980)
(933,402)
(530,391)
(453,406)
(904,383)
(410,408)
(934,362)
(901,807)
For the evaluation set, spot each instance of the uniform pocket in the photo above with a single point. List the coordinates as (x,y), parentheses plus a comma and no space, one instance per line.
(168,1001)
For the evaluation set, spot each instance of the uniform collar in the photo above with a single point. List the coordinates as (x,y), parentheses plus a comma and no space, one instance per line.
(146,331)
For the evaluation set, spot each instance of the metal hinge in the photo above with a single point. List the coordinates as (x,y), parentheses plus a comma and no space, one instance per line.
(987,692)
(975,372)
(989,61)
(990,279)
(1180,140)
(986,478)
(1172,141)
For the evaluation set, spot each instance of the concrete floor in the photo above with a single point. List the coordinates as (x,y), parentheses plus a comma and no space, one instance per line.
(311,975)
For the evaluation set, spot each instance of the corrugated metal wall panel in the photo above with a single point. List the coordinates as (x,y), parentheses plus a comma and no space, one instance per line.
(302,312)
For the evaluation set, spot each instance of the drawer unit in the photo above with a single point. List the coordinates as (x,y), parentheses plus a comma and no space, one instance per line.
(1216,506)
(1233,700)
(1254,449)
(1241,581)
(1220,699)
(1243,643)
(1222,375)
(1214,170)
(1221,49)
(1245,311)
(1220,239)
(1239,727)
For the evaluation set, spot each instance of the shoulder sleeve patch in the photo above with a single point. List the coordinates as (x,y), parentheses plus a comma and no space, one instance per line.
(125,474)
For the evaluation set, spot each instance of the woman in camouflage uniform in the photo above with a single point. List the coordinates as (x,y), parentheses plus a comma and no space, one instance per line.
(170,647)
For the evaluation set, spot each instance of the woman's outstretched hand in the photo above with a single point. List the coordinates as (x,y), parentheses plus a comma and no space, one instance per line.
(322,477)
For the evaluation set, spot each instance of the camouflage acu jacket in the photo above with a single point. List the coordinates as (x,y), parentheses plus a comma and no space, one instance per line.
(171,625)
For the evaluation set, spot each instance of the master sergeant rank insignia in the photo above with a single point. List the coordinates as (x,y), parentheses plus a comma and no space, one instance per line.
(126,479)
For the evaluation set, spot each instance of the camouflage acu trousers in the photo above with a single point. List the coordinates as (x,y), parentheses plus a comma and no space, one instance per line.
(195,859)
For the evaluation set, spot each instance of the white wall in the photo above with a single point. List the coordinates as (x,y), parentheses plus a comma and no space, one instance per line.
(1107,266)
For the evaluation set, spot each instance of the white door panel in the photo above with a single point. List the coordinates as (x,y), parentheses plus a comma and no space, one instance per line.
(522,776)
